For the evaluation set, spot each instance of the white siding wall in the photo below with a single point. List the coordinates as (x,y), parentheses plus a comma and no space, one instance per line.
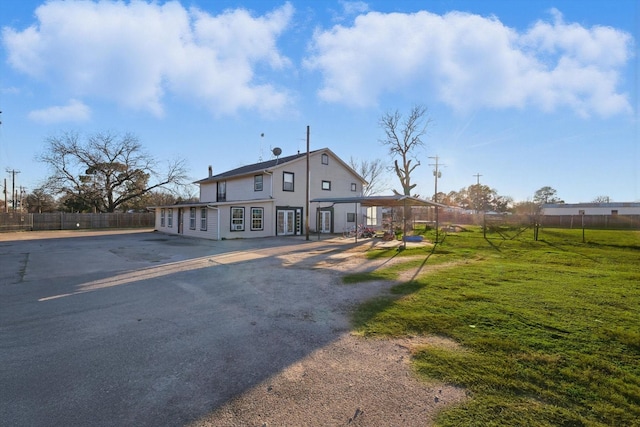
(165,228)
(268,220)
(212,223)
(591,210)
(237,189)
(340,177)
(211,231)
(243,189)
(208,192)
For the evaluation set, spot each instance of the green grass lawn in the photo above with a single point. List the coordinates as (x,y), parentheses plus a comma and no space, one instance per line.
(550,329)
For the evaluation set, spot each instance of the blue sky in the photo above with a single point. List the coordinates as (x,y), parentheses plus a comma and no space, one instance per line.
(525,93)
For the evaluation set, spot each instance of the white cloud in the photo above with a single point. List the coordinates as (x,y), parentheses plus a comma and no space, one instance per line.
(74,111)
(134,53)
(468,61)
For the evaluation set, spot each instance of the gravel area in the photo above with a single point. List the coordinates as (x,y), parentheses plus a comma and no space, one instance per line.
(351,382)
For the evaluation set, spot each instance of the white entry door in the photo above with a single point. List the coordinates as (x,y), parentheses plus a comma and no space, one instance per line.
(286,222)
(325,221)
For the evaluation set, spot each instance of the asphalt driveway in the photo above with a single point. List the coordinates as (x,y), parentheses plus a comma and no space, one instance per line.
(146,329)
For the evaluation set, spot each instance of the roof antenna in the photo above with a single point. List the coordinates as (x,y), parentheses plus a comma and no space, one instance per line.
(260,154)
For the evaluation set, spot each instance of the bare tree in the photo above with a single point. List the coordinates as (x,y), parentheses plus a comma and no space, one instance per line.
(105,170)
(372,171)
(403,137)
(602,199)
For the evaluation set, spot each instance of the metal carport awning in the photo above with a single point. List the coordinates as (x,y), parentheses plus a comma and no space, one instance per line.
(383,201)
(397,200)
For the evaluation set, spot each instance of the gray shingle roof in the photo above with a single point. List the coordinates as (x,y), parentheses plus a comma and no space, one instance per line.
(255,167)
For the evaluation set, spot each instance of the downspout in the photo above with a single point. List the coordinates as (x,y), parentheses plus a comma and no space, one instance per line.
(273,205)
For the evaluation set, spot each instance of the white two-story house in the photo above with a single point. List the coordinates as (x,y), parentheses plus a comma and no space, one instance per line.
(269,199)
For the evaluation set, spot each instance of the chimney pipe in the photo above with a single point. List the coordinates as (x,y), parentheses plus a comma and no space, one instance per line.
(210,171)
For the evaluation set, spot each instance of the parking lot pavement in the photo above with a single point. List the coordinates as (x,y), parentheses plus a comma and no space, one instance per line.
(146,329)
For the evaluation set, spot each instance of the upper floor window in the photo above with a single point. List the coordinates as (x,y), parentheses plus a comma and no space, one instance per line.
(287,181)
(257,182)
(325,159)
(222,191)
(326,185)
(354,187)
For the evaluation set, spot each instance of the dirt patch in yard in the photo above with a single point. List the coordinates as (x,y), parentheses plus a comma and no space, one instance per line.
(353,381)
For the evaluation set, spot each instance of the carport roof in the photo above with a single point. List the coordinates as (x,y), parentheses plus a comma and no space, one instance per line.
(384,201)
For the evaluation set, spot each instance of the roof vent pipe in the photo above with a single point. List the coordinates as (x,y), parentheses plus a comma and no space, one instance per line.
(210,171)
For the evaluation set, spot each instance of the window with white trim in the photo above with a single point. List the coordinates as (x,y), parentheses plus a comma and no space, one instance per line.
(162,216)
(203,219)
(257,182)
(169,218)
(237,219)
(257,218)
(192,218)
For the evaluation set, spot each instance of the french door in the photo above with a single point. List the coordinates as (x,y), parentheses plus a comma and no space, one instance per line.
(289,222)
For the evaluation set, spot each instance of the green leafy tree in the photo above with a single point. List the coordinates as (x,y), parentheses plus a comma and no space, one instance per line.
(525,208)
(40,201)
(479,198)
(546,195)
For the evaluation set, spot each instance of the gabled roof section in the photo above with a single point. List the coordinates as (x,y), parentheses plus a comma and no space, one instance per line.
(268,165)
(255,167)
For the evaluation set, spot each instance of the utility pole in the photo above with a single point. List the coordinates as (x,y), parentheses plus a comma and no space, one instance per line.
(437,174)
(477,189)
(13,173)
(306,210)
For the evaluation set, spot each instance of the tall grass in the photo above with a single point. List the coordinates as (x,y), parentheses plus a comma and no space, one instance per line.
(550,330)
